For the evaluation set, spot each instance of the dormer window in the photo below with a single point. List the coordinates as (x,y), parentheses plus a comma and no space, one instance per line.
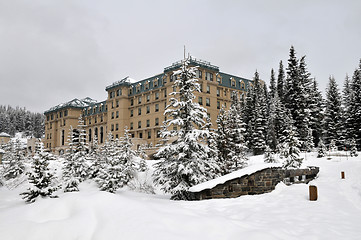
(146,86)
(209,76)
(233,82)
(138,88)
(242,85)
(155,82)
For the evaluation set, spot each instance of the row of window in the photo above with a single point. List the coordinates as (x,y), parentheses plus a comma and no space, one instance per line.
(101,118)
(156,109)
(149,134)
(156,123)
(93,110)
(147,97)
(113,93)
(58,115)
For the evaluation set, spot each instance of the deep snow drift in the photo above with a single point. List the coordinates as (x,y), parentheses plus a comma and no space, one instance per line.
(285,213)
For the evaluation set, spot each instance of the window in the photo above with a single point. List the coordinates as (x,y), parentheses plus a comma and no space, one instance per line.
(225,92)
(95,120)
(90,135)
(101,118)
(200,87)
(116,127)
(131,126)
(209,76)
(131,102)
(219,79)
(218,92)
(52,116)
(117,114)
(158,134)
(173,78)
(112,104)
(139,100)
(119,92)
(63,122)
(117,103)
(165,92)
(156,121)
(139,111)
(208,102)
(60,114)
(132,135)
(140,135)
(148,122)
(130,91)
(149,134)
(47,118)
(148,109)
(139,124)
(112,127)
(62,137)
(138,88)
(146,86)
(155,83)
(157,107)
(218,104)
(200,100)
(131,112)
(156,95)
(148,97)
(116,136)
(242,85)
(90,121)
(233,82)
(208,89)
(112,115)
(198,74)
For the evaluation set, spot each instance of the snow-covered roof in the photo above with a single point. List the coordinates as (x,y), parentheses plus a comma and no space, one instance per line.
(124,81)
(76,103)
(236,174)
(4,134)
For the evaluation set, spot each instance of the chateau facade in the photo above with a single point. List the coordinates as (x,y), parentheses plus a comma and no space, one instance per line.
(139,106)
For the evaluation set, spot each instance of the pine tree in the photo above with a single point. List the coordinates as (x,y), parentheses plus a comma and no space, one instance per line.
(290,148)
(309,145)
(235,130)
(76,169)
(184,161)
(40,178)
(354,121)
(353,148)
(222,140)
(269,156)
(272,86)
(280,82)
(258,138)
(13,160)
(316,113)
(321,149)
(347,98)
(333,124)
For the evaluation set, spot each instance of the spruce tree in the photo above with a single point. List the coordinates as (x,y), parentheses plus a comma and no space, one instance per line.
(76,169)
(333,122)
(353,148)
(281,82)
(316,113)
(40,178)
(13,160)
(184,161)
(321,149)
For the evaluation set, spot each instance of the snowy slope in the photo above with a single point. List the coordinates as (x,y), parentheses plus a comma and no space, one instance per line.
(284,213)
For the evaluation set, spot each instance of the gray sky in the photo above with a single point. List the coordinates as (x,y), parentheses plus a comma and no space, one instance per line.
(54,51)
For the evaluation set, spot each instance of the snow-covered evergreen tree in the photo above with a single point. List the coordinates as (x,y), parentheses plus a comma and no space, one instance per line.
(321,149)
(184,161)
(269,155)
(234,131)
(316,113)
(222,140)
(332,146)
(40,178)
(76,169)
(308,144)
(353,148)
(290,149)
(13,160)
(354,116)
(281,82)
(119,167)
(333,122)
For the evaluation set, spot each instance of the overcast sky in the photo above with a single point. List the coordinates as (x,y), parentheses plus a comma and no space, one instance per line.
(54,51)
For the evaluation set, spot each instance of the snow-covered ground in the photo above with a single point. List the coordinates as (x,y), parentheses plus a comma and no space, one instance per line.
(285,213)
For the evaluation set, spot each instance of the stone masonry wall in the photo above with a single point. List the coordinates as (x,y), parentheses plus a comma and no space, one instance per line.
(262,181)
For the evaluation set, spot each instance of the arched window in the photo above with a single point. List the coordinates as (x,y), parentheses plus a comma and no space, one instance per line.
(90,135)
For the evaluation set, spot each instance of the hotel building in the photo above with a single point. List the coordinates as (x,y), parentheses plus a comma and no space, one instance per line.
(139,105)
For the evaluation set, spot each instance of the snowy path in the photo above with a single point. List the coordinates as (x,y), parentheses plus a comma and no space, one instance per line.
(284,213)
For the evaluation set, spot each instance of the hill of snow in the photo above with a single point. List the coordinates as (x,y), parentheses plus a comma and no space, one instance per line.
(285,213)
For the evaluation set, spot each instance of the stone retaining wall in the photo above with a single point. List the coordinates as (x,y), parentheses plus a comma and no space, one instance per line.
(262,181)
